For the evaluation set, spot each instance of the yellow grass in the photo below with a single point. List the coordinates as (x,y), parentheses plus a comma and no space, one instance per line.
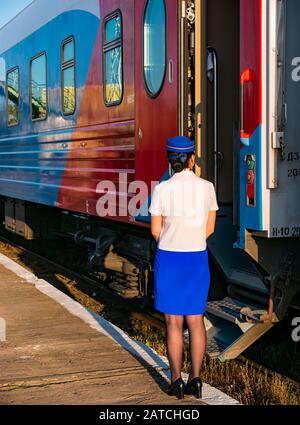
(242,381)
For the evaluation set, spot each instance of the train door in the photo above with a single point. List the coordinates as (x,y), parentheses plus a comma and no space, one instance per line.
(222,106)
(284,155)
(227,41)
(156,85)
(217,30)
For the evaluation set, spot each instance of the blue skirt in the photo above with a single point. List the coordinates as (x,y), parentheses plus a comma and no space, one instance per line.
(181,282)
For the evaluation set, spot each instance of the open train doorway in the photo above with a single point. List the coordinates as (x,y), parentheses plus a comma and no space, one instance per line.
(213,38)
(222,100)
(212,89)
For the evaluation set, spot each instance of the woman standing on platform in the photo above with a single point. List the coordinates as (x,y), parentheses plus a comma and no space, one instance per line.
(183,215)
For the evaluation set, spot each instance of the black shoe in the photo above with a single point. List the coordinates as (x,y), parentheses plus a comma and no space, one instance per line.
(177,388)
(194,387)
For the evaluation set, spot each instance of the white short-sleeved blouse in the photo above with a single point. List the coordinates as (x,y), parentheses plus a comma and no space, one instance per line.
(184,201)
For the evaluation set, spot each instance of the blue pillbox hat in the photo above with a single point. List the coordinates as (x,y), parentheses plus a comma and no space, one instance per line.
(180,144)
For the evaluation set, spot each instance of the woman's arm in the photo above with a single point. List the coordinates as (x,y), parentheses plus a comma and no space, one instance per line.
(211,222)
(156,225)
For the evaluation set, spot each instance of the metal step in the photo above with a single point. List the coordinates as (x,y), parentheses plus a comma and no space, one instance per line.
(248,278)
(227,309)
(228,335)
(215,347)
(236,265)
(243,294)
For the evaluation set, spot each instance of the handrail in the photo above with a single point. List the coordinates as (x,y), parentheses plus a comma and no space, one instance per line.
(211,51)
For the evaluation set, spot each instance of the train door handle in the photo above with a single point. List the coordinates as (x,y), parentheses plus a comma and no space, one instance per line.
(64,145)
(171,72)
(220,158)
(140,133)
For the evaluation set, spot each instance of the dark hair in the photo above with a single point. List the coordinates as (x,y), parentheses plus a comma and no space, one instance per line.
(179,161)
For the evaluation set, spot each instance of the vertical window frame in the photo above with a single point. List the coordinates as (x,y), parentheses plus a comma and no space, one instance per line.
(6,92)
(63,66)
(30,88)
(106,47)
(150,94)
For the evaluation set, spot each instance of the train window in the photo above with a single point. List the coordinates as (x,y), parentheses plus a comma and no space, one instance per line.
(112,59)
(68,88)
(113,29)
(38,91)
(68,50)
(154,45)
(13,97)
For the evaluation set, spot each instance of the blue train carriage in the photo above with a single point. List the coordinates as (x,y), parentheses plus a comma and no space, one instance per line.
(67,96)
(45,58)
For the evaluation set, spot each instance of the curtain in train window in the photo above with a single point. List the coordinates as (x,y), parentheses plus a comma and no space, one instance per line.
(68,77)
(38,90)
(13,97)
(154,55)
(112,54)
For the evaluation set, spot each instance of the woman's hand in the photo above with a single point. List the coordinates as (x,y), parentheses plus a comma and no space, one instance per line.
(211,222)
(156,225)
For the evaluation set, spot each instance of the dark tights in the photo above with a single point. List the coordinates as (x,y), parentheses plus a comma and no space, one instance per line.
(197,340)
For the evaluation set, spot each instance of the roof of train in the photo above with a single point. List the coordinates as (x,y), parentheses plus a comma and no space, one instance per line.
(8,23)
(22,25)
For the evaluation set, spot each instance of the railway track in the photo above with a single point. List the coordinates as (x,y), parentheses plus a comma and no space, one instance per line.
(91,286)
(117,309)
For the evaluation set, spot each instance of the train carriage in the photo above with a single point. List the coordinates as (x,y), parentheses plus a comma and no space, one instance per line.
(89,93)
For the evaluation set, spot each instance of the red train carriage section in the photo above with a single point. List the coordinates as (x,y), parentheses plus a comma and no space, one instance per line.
(127,138)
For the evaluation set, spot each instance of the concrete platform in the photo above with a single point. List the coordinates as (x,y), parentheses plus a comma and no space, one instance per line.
(58,352)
